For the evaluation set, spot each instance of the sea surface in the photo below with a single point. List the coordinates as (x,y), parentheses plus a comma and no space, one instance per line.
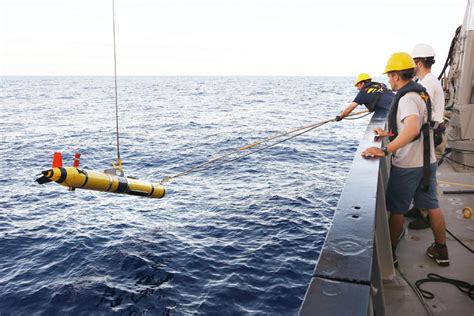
(236,239)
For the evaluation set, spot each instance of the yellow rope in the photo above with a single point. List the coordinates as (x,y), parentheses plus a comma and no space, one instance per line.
(303,130)
(457,184)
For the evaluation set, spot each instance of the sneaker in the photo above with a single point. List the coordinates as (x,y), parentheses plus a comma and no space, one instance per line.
(413,213)
(439,253)
(420,223)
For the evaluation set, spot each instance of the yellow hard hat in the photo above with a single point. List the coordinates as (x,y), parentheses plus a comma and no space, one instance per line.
(399,61)
(362,77)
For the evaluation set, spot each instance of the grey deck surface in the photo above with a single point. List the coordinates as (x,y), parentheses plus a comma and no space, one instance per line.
(414,264)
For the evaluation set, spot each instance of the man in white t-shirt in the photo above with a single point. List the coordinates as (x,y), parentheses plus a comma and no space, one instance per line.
(424,57)
(408,178)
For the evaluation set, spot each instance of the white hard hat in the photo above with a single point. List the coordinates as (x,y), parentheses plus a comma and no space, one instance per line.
(422,51)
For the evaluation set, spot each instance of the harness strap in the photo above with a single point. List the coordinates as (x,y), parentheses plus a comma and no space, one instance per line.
(375,100)
(426,142)
(378,89)
(426,157)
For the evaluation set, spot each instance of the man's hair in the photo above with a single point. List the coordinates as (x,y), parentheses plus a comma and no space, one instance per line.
(406,75)
(427,61)
(365,81)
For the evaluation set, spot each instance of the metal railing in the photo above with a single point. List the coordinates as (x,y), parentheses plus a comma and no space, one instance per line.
(356,255)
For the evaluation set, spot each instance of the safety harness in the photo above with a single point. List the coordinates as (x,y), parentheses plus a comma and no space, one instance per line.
(378,89)
(424,130)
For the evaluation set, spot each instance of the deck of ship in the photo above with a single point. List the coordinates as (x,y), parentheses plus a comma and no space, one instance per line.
(400,299)
(354,274)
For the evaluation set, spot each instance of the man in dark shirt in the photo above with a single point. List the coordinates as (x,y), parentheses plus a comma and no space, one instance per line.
(374,95)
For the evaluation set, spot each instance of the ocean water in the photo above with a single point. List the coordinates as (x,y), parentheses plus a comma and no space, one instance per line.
(236,239)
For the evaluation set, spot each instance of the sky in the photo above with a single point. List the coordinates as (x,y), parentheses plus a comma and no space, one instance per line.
(220,37)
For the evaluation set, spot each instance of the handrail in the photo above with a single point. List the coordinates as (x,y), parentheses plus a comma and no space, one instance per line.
(356,255)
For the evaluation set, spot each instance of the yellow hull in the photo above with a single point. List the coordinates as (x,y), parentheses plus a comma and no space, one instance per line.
(76,178)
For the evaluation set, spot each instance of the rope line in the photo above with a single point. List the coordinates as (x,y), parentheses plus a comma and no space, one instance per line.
(460,140)
(119,162)
(220,159)
(462,286)
(450,58)
(356,118)
(459,241)
(457,184)
(459,163)
(417,292)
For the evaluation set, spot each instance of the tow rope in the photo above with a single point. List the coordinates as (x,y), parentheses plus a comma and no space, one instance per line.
(236,154)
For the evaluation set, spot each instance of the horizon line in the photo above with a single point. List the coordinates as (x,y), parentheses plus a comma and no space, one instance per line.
(169,75)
